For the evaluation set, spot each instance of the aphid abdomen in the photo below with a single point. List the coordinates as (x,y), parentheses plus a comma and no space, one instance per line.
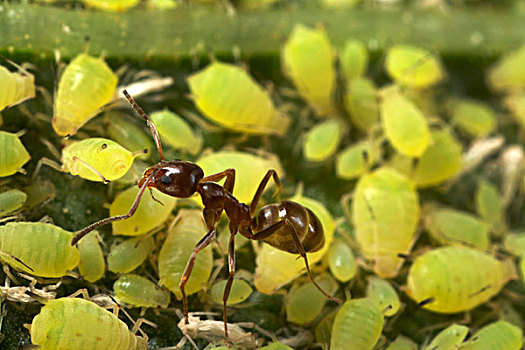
(16,87)
(498,335)
(13,154)
(140,292)
(11,200)
(92,264)
(86,85)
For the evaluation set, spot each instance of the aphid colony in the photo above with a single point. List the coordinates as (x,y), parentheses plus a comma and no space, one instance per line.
(399,146)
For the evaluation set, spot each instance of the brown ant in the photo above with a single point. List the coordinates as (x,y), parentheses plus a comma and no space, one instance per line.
(286,225)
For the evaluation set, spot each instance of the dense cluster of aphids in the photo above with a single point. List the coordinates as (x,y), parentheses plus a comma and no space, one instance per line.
(402,141)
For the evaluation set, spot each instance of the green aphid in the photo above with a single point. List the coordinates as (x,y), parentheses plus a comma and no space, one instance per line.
(489,206)
(508,74)
(16,86)
(13,154)
(129,254)
(240,291)
(362,104)
(138,291)
(354,59)
(128,134)
(448,339)
(176,132)
(383,293)
(92,265)
(474,118)
(402,343)
(498,335)
(321,142)
(323,330)
(356,159)
(514,243)
(11,200)
(341,260)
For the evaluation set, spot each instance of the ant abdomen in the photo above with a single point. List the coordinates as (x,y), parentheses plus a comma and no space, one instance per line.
(301,219)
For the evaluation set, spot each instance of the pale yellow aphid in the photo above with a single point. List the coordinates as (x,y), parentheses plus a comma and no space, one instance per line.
(356,159)
(341,260)
(13,154)
(308,59)
(323,330)
(86,85)
(128,134)
(55,256)
(111,5)
(176,251)
(269,273)
(362,104)
(126,256)
(515,103)
(92,265)
(228,95)
(354,59)
(448,339)
(508,74)
(402,343)
(514,243)
(240,291)
(498,335)
(383,293)
(454,279)
(404,124)
(413,66)
(249,169)
(475,118)
(176,132)
(15,87)
(149,215)
(322,140)
(138,291)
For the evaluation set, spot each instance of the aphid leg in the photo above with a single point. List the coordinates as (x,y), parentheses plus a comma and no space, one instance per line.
(10,256)
(230,178)
(90,167)
(231,274)
(262,186)
(84,292)
(47,162)
(99,223)
(345,204)
(8,273)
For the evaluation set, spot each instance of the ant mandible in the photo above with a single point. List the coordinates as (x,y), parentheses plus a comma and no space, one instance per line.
(286,225)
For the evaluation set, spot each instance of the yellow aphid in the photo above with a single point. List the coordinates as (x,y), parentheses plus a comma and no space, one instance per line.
(138,291)
(514,243)
(126,256)
(354,59)
(308,59)
(455,279)
(86,85)
(474,118)
(128,134)
(111,5)
(11,200)
(403,343)
(149,214)
(341,260)
(361,102)
(228,95)
(449,338)
(249,169)
(384,295)
(22,240)
(508,74)
(515,103)
(356,159)
(270,274)
(240,291)
(404,124)
(176,132)
(498,335)
(92,265)
(15,87)
(322,140)
(13,154)
(93,157)
(413,66)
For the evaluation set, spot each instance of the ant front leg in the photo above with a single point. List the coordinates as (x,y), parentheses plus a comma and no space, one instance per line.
(230,179)
(231,270)
(262,186)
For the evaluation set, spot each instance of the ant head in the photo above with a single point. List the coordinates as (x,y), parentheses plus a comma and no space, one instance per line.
(175,178)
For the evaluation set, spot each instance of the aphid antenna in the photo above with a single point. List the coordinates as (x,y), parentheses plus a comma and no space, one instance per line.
(17,66)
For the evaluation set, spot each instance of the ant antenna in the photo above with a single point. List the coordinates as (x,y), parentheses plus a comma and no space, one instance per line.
(144,116)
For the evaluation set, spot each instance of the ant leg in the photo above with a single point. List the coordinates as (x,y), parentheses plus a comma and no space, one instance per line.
(231,270)
(99,223)
(90,167)
(230,178)
(203,243)
(262,186)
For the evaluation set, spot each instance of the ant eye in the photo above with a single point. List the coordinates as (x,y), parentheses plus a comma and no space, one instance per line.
(165,179)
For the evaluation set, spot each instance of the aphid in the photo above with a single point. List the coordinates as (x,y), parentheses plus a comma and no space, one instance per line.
(448,339)
(240,291)
(403,343)
(479,151)
(276,346)
(490,207)
(249,169)
(515,103)
(413,66)
(39,193)
(86,85)
(322,140)
(354,59)
(16,86)
(498,335)
(474,118)
(404,124)
(111,5)
(514,243)
(356,159)
(507,75)
(341,260)
(361,102)
(176,132)
(138,291)
(229,96)
(382,293)
(130,254)
(94,159)
(323,330)
(127,134)
(339,4)
(55,257)
(13,154)
(92,264)
(76,324)
(357,325)
(149,213)
(11,200)
(176,251)
(384,199)
(308,60)
(451,226)
(450,280)
(305,303)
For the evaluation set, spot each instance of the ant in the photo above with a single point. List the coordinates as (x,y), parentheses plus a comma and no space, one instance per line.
(285,225)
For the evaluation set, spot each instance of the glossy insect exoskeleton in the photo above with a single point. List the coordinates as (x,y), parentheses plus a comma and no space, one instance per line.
(111,5)
(498,335)
(403,343)
(138,291)
(287,225)
(308,59)
(354,59)
(92,264)
(77,324)
(130,254)
(86,85)
(489,206)
(16,86)
(322,140)
(229,96)
(55,256)
(127,134)
(448,339)
(382,200)
(341,260)
(358,325)
(474,118)
(507,74)
(11,200)
(240,291)
(450,279)
(384,294)
(13,154)
(362,104)
(176,132)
